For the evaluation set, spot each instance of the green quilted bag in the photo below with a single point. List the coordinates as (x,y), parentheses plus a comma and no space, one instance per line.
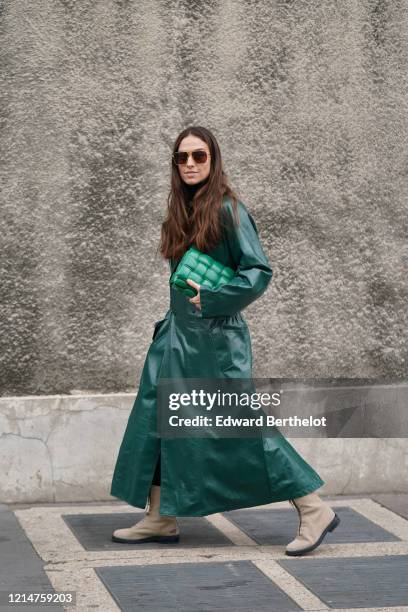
(202,269)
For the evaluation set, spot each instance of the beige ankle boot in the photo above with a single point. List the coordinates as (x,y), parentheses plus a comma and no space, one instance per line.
(316,518)
(153,527)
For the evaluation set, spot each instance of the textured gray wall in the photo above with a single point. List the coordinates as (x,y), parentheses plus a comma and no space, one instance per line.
(309,102)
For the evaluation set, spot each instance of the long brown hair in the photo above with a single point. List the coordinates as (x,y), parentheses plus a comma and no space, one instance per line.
(204,226)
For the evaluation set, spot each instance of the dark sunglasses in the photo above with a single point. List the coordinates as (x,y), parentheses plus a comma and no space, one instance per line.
(199,156)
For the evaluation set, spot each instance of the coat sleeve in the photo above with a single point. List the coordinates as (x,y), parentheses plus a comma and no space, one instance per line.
(252,275)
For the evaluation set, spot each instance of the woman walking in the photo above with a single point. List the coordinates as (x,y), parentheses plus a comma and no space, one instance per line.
(206,336)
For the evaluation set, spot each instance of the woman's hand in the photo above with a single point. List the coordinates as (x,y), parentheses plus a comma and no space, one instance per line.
(196,299)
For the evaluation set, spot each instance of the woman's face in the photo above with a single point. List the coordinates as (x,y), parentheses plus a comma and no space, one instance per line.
(192,172)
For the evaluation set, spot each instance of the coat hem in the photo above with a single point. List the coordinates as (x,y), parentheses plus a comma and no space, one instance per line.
(236,506)
(133,503)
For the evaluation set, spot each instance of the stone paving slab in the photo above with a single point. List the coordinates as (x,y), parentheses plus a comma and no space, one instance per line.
(278,527)
(70,566)
(94,531)
(204,587)
(354,583)
(47,530)
(21,569)
(398,503)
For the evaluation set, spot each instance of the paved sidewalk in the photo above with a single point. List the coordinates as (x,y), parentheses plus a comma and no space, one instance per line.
(232,561)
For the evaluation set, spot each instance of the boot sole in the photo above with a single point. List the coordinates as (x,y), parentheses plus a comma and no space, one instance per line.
(157,538)
(330,527)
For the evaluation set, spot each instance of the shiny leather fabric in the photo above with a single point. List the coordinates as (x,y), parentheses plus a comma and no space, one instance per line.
(200,476)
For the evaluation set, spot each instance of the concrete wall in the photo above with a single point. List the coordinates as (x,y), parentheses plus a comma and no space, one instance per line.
(64,448)
(308,100)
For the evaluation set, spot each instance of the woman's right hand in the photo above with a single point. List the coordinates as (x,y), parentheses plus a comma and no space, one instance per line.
(196,299)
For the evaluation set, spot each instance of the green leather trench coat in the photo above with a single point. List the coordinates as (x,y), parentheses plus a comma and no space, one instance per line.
(201,476)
